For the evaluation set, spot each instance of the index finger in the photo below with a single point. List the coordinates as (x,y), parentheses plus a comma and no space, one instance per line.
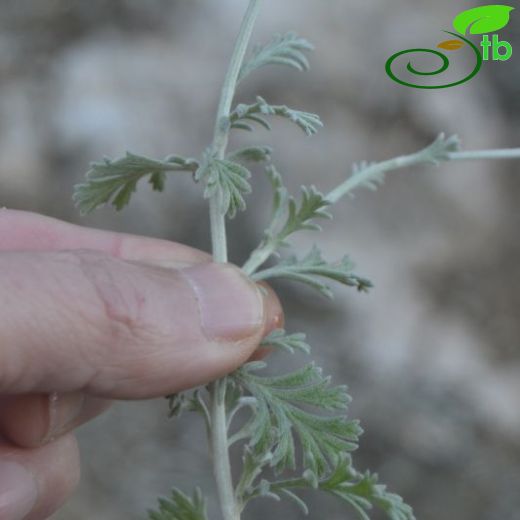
(27,231)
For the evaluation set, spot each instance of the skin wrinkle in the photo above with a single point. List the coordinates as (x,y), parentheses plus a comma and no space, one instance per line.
(95,319)
(16,370)
(82,358)
(57,288)
(124,319)
(127,307)
(108,346)
(117,246)
(197,298)
(117,308)
(112,309)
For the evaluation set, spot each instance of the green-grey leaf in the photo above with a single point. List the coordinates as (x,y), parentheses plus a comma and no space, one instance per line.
(287,218)
(308,122)
(279,416)
(482,20)
(180,507)
(115,181)
(252,154)
(278,338)
(228,180)
(310,269)
(362,491)
(313,205)
(287,50)
(295,498)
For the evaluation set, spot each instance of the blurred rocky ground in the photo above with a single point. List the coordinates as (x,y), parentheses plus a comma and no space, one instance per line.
(431,355)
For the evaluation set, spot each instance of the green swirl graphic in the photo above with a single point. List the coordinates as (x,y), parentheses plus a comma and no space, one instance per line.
(439,70)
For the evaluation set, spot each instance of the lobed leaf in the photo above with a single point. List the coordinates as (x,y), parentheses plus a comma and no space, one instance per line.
(362,492)
(371,175)
(180,507)
(229,180)
(115,181)
(288,49)
(313,205)
(308,122)
(312,268)
(440,149)
(359,490)
(278,338)
(251,154)
(279,418)
(287,217)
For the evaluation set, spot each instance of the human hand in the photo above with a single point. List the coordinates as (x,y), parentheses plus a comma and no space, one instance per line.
(87,316)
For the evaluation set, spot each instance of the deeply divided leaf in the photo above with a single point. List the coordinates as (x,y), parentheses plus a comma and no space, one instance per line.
(115,181)
(362,492)
(228,180)
(251,154)
(311,269)
(278,338)
(288,216)
(244,114)
(283,412)
(313,205)
(288,49)
(371,175)
(180,507)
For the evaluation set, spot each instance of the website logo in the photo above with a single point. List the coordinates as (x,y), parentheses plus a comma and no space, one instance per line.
(477,21)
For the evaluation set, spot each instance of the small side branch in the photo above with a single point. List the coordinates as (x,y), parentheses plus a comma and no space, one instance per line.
(441,150)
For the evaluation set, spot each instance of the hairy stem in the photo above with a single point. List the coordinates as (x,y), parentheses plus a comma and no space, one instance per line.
(259,257)
(219,441)
(422,157)
(506,153)
(219,448)
(373,172)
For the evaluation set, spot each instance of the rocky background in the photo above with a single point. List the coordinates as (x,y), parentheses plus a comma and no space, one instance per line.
(431,355)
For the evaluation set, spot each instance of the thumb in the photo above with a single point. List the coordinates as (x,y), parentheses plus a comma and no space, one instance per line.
(83,320)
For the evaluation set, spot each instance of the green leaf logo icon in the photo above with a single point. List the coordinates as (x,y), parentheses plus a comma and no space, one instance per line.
(482,20)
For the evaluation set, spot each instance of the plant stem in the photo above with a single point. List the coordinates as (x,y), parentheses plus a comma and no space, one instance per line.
(374,171)
(219,441)
(259,257)
(507,153)
(219,448)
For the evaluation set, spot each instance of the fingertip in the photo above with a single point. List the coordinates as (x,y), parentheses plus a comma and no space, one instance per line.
(273,310)
(34,483)
(274,319)
(33,420)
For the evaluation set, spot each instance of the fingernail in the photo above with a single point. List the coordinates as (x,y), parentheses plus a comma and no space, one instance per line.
(274,317)
(64,409)
(231,306)
(18,491)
